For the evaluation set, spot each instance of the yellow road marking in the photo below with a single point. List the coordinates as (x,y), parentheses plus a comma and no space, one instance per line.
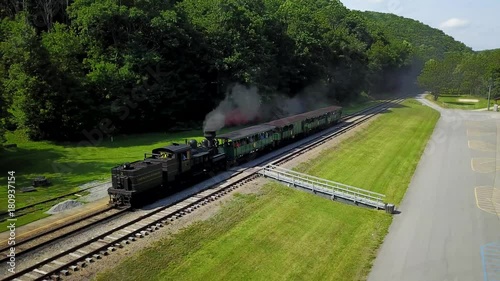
(482,146)
(484,165)
(488,199)
(53,224)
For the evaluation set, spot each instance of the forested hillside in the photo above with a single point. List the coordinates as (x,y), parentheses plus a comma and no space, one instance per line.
(445,65)
(475,74)
(427,42)
(128,66)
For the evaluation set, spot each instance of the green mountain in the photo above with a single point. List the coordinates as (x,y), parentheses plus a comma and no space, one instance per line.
(428,42)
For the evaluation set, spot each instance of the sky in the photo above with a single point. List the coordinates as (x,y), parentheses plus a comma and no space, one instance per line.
(471,22)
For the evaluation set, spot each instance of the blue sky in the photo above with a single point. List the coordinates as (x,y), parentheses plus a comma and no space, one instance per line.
(471,22)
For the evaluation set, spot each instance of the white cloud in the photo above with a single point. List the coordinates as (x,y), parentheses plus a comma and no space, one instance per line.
(454,23)
(376,1)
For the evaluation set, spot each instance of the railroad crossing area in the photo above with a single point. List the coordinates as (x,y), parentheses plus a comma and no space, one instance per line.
(327,188)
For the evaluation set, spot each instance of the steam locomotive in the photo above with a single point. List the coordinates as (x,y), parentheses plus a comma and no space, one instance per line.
(165,166)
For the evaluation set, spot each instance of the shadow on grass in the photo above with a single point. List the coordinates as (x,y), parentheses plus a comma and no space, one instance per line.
(64,175)
(23,160)
(97,139)
(391,105)
(460,103)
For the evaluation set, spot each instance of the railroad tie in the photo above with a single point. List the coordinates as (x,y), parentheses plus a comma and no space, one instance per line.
(57,262)
(73,268)
(40,271)
(31,276)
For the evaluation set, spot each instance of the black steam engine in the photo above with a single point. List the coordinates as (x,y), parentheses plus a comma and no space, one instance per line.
(164,167)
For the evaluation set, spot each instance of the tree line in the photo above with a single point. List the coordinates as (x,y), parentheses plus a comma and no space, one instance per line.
(137,66)
(476,74)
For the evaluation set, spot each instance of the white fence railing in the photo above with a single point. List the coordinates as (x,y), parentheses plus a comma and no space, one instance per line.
(334,189)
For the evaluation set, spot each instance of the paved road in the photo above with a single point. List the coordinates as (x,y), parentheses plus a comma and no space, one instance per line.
(449,226)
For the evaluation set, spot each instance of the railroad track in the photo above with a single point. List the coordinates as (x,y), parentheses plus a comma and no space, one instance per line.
(65,229)
(78,256)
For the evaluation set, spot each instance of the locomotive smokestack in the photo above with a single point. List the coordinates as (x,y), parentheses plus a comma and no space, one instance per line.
(210,136)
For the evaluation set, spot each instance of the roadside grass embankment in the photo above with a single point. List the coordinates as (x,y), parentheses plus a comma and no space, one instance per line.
(281,233)
(383,157)
(460,102)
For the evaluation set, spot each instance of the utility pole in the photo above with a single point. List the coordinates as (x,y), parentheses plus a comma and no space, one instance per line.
(489,94)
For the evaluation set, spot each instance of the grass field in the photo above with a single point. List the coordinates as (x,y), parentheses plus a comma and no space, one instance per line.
(383,157)
(281,234)
(285,234)
(452,101)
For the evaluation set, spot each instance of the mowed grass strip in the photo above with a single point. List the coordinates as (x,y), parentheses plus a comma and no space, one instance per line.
(383,157)
(286,234)
(279,234)
(460,102)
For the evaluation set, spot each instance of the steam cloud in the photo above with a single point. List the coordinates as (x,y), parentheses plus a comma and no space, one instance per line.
(244,104)
(241,103)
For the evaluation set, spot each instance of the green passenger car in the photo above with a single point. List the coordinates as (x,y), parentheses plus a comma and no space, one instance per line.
(306,123)
(239,144)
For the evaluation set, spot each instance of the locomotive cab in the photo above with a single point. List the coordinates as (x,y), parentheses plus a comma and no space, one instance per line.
(175,160)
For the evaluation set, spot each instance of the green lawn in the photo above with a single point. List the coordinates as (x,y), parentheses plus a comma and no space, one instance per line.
(383,157)
(453,101)
(282,233)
